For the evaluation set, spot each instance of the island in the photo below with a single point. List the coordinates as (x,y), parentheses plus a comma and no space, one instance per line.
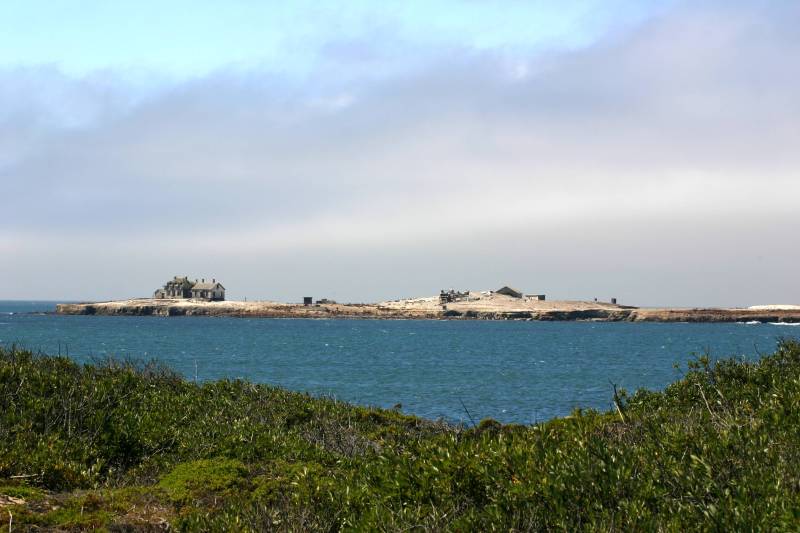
(486,305)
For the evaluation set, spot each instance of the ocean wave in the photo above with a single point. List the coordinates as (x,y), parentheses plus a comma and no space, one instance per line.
(750,323)
(785,323)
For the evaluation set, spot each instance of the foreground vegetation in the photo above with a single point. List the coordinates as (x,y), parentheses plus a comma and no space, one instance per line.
(127,446)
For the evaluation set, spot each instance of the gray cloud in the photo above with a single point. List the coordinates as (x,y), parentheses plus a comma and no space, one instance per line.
(660,166)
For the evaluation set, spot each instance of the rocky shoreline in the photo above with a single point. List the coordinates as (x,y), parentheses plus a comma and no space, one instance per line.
(552,311)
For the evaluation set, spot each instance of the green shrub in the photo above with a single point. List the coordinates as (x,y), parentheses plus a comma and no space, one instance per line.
(717,450)
(195,479)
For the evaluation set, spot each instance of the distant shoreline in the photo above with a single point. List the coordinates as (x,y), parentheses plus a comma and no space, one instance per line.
(488,309)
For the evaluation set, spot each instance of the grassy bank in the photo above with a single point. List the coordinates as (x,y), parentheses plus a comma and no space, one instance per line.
(126,446)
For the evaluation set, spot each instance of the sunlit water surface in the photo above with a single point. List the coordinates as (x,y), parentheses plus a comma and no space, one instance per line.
(511,371)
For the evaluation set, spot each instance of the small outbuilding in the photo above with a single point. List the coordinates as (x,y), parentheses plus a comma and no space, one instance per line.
(509,291)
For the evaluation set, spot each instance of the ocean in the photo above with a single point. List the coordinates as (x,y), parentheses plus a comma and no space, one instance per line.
(521,372)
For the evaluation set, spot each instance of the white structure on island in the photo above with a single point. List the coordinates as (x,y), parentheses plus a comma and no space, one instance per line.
(183,288)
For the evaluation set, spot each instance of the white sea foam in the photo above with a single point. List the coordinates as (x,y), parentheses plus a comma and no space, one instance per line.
(785,323)
(750,323)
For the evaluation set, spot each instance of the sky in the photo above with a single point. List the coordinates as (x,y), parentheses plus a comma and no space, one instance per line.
(361,151)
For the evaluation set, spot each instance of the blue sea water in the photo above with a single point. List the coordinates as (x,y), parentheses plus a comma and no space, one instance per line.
(520,372)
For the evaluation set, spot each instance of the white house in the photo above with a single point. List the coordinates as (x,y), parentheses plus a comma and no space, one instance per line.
(208,290)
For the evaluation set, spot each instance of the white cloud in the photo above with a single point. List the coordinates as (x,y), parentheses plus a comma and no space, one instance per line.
(686,125)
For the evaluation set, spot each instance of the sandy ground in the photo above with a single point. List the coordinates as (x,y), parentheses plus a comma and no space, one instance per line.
(496,303)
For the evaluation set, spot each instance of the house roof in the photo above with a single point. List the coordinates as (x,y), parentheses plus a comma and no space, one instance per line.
(506,288)
(207,285)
